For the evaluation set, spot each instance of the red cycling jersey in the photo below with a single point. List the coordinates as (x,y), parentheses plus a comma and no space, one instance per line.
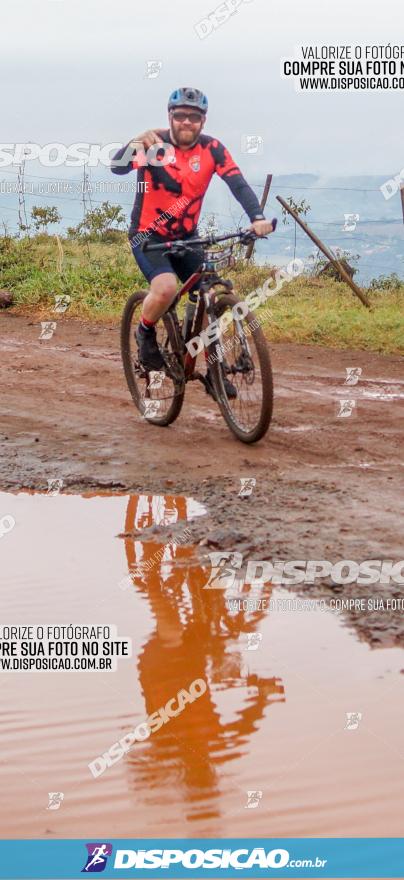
(169,197)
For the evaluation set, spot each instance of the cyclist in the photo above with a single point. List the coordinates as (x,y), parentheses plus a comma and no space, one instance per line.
(171,183)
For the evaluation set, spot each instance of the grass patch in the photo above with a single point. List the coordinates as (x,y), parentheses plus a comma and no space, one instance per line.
(99,276)
(327,313)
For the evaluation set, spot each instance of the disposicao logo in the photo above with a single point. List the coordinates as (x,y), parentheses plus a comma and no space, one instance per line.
(198,858)
(241,859)
(97,857)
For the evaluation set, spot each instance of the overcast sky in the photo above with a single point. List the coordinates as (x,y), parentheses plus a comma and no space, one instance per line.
(75,70)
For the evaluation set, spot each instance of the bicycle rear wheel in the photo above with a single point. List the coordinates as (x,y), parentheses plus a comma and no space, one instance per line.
(158,395)
(241,355)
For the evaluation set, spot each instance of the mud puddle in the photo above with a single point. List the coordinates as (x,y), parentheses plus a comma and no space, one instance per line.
(299,732)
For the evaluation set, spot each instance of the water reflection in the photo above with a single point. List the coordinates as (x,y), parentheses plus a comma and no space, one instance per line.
(196,636)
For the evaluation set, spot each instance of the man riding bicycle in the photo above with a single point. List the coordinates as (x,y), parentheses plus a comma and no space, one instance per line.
(168,202)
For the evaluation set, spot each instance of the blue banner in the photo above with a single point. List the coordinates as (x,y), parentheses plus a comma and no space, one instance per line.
(227,857)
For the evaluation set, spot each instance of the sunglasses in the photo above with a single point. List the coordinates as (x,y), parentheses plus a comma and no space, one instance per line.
(181,116)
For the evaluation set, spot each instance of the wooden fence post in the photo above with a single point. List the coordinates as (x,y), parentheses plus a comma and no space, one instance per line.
(337,265)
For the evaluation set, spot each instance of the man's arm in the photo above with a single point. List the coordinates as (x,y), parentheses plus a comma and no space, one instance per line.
(123,160)
(227,169)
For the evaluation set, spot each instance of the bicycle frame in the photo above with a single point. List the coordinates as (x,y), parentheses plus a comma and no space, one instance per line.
(207,281)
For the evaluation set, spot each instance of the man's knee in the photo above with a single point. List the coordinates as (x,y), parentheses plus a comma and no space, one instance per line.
(164,286)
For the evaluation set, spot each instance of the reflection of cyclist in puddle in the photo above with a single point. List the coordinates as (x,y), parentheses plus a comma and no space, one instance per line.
(196,637)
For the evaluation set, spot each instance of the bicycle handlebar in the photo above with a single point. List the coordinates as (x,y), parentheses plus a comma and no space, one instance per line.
(245,235)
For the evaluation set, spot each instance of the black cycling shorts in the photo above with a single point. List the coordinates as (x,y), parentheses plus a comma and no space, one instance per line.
(153,263)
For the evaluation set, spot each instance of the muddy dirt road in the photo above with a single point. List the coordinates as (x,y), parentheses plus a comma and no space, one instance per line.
(327,487)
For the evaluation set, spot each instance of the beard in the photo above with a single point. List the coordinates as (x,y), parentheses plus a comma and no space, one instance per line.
(184,137)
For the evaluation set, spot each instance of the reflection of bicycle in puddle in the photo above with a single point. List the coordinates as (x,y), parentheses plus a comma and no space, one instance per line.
(196,636)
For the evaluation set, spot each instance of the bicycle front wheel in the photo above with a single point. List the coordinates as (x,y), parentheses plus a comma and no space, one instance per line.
(241,356)
(158,395)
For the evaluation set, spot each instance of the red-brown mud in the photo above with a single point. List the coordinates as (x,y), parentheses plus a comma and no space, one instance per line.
(326,487)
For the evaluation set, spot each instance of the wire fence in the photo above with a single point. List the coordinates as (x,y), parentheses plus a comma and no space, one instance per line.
(355,240)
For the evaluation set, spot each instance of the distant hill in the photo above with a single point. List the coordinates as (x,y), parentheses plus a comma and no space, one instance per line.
(378,237)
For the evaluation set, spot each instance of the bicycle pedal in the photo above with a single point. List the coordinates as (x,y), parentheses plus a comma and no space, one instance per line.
(173,369)
(140,371)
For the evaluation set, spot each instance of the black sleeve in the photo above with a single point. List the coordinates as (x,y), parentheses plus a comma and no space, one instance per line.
(121,163)
(227,169)
(245,195)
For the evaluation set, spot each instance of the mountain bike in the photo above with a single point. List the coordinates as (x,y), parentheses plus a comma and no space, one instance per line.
(220,326)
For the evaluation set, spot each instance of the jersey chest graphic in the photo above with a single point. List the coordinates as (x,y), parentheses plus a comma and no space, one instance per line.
(195,163)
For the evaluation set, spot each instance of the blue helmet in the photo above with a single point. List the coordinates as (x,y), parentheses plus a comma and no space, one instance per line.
(186,97)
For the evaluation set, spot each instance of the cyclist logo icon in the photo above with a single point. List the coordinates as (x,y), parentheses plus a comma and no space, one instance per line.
(55,800)
(253,800)
(346,408)
(151,408)
(224,570)
(97,857)
(353,375)
(156,379)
